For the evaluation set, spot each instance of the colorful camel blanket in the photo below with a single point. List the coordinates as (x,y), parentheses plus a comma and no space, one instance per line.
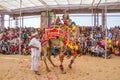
(54,33)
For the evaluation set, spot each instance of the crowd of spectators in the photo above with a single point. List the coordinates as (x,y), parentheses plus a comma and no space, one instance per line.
(97,43)
(90,41)
(10,40)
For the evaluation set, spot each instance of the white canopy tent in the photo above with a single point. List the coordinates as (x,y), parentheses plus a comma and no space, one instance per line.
(42,5)
(28,6)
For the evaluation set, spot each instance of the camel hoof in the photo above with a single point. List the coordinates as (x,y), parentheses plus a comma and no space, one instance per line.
(55,66)
(63,72)
(70,66)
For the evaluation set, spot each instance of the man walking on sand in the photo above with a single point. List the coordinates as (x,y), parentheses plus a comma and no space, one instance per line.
(35,46)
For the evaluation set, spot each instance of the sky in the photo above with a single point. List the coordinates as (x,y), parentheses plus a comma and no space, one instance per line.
(113,19)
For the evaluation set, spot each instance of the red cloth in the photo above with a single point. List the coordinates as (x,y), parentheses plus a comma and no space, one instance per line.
(12,35)
(65,42)
(54,33)
(3,37)
(14,49)
(119,42)
(22,46)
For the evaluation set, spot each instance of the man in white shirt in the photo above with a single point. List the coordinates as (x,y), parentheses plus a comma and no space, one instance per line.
(35,46)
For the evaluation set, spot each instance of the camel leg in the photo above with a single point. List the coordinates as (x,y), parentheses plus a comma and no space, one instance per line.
(49,58)
(61,65)
(44,58)
(71,62)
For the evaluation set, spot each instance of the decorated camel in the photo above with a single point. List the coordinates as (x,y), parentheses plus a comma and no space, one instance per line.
(63,39)
(48,43)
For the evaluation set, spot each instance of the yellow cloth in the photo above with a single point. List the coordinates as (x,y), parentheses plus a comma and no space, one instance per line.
(76,47)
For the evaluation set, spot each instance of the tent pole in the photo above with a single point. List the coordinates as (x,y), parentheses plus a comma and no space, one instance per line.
(9,21)
(105,29)
(92,16)
(20,29)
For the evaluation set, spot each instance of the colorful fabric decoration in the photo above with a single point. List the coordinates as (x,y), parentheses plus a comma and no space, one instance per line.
(73,28)
(70,46)
(73,24)
(61,39)
(57,21)
(65,42)
(76,47)
(54,33)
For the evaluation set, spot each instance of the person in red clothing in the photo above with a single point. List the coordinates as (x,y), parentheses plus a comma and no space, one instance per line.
(22,46)
(13,50)
(119,44)
(3,37)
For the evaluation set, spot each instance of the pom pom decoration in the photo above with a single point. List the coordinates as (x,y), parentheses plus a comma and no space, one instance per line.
(65,27)
(61,67)
(70,31)
(73,28)
(76,47)
(69,46)
(61,39)
(73,24)
(57,37)
(65,22)
(65,42)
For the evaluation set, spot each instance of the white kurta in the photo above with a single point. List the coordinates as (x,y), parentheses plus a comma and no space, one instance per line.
(36,53)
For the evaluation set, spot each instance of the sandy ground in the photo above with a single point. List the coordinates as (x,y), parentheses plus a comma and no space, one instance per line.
(16,67)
